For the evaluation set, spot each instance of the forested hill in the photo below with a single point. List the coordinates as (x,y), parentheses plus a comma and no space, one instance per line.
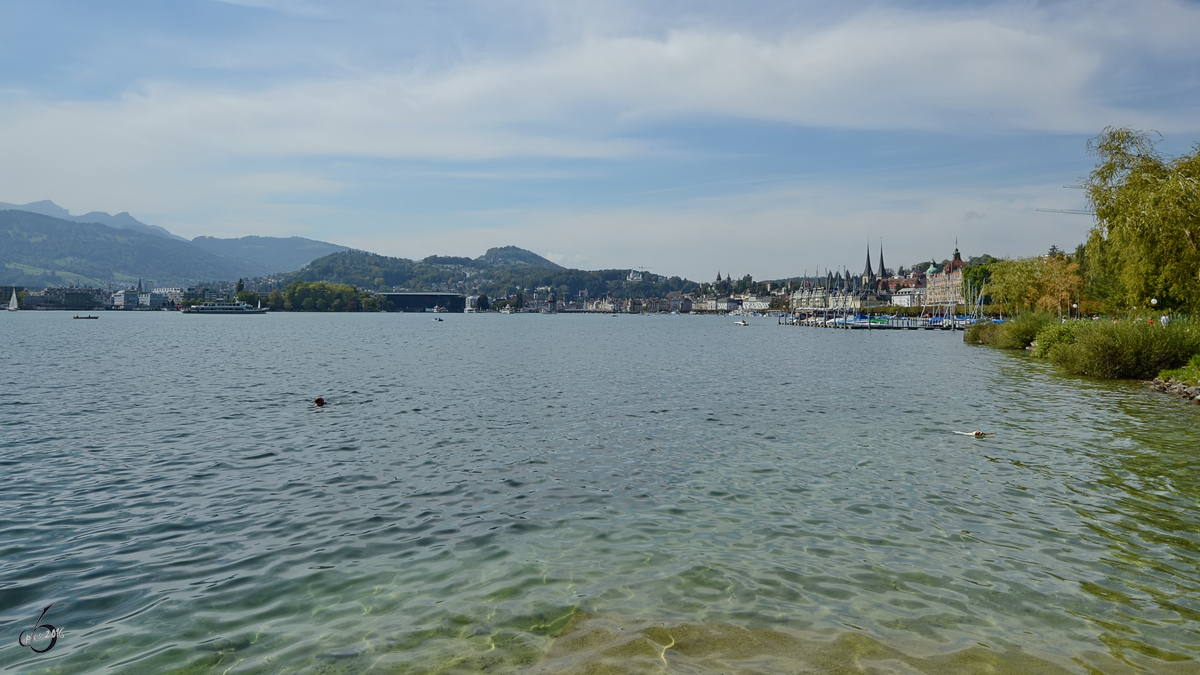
(38,250)
(511,255)
(515,272)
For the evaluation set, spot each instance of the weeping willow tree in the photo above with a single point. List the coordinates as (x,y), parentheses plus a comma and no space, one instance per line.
(1146,242)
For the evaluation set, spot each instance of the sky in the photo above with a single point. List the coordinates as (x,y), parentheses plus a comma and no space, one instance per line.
(759,137)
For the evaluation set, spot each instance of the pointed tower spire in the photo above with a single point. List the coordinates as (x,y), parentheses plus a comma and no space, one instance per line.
(882,270)
(868,273)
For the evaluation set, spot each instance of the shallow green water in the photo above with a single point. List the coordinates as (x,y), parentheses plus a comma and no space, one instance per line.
(582,494)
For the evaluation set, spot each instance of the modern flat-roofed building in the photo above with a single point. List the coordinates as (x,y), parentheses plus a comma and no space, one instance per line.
(176,295)
(423,302)
(127,299)
(151,300)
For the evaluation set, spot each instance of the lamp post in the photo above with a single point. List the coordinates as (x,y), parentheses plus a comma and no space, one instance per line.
(1075,306)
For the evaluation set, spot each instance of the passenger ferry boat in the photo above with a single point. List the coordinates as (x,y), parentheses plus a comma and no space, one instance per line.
(223,308)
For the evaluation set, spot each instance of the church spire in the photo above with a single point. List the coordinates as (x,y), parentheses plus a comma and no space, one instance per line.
(882,270)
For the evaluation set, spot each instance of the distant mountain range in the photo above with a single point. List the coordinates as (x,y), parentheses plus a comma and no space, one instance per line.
(269,255)
(38,250)
(121,221)
(42,244)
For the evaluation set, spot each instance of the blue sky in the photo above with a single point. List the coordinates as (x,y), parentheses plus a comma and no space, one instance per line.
(756,137)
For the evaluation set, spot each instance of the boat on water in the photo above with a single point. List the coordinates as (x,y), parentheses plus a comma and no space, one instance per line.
(223,308)
(438,318)
(741,323)
(85,317)
(13,305)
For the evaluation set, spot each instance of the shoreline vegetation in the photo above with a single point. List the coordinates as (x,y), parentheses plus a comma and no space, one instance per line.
(1136,347)
(1131,293)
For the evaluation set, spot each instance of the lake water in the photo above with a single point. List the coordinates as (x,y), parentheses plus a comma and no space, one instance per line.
(581,494)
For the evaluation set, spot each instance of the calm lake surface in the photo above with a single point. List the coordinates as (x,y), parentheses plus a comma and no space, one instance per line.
(581,494)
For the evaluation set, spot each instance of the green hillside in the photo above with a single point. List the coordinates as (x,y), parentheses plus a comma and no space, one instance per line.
(38,250)
(514,273)
(511,255)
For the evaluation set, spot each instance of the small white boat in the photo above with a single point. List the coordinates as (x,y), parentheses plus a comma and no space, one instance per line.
(438,318)
(13,305)
(741,323)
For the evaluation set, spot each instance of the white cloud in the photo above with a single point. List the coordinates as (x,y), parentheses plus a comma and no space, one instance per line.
(768,235)
(194,154)
(879,70)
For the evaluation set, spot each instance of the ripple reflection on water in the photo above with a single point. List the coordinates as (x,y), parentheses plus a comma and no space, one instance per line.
(473,484)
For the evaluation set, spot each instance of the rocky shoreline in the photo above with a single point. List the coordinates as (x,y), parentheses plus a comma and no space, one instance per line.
(1176,388)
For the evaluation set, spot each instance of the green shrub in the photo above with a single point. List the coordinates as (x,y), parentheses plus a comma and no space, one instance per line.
(1189,374)
(1020,332)
(982,333)
(1126,349)
(1057,334)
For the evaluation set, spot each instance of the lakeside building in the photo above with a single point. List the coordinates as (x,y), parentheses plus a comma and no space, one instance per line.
(846,297)
(678,302)
(177,296)
(65,297)
(753,303)
(728,304)
(911,296)
(931,285)
(126,299)
(151,300)
(423,302)
(944,287)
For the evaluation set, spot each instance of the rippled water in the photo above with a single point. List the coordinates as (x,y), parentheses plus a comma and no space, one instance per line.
(581,494)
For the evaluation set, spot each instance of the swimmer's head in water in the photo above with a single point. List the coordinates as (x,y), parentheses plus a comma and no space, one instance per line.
(319,401)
